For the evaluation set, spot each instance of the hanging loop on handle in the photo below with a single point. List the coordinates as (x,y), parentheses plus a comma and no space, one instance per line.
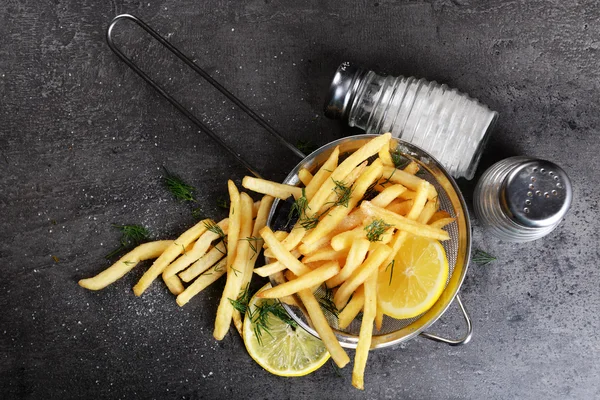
(203,127)
(454,342)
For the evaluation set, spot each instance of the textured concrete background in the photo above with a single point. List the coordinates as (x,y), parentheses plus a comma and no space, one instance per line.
(83,140)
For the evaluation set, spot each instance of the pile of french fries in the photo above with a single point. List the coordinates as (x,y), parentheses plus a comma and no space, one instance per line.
(333,243)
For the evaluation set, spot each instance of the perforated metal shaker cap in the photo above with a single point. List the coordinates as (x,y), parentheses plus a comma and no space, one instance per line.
(342,90)
(536,194)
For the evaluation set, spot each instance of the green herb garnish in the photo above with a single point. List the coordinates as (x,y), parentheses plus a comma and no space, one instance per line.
(253,246)
(131,236)
(400,161)
(178,188)
(241,303)
(306,146)
(298,208)
(326,302)
(376,229)
(343,193)
(388,179)
(482,258)
(260,317)
(223,203)
(214,228)
(391,264)
(129,263)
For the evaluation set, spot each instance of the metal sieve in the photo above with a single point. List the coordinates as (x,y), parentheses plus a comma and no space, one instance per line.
(457,248)
(394,331)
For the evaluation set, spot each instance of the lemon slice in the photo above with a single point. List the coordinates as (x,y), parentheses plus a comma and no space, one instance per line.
(416,280)
(283,350)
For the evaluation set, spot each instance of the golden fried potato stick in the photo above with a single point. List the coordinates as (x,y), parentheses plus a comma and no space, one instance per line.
(412,168)
(428,211)
(419,201)
(404,178)
(307,281)
(255,243)
(203,281)
(235,273)
(354,306)
(234,222)
(438,215)
(320,324)
(345,240)
(334,216)
(372,263)
(279,190)
(385,157)
(282,254)
(400,207)
(125,264)
(305,176)
(387,195)
(378,318)
(442,222)
(366,332)
(325,254)
(205,262)
(175,249)
(403,223)
(174,284)
(322,174)
(200,248)
(280,235)
(274,267)
(356,256)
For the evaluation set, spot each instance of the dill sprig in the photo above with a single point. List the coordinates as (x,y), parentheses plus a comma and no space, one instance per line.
(482,258)
(391,264)
(260,317)
(370,193)
(400,161)
(310,222)
(214,228)
(223,203)
(253,246)
(343,193)
(241,303)
(131,236)
(298,208)
(376,229)
(306,146)
(326,302)
(178,188)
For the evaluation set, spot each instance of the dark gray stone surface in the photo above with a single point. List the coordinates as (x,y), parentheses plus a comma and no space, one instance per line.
(83,140)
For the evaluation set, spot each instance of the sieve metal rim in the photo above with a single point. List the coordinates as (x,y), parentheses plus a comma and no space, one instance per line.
(449,294)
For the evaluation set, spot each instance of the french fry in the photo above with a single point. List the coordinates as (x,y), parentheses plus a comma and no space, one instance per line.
(388,195)
(175,249)
(439,215)
(202,282)
(279,190)
(234,222)
(338,213)
(412,168)
(125,264)
(356,256)
(345,239)
(274,267)
(307,281)
(372,263)
(200,248)
(174,284)
(354,306)
(279,235)
(204,263)
(419,200)
(305,176)
(366,332)
(322,174)
(282,254)
(442,222)
(408,195)
(322,327)
(428,211)
(235,273)
(404,178)
(325,254)
(403,223)
(385,157)
(400,207)
(378,318)
(347,182)
(308,249)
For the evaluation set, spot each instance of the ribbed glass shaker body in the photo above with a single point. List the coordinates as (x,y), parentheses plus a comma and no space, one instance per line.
(448,124)
(520,199)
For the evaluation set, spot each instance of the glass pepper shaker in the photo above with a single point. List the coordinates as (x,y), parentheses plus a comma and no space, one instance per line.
(520,199)
(449,125)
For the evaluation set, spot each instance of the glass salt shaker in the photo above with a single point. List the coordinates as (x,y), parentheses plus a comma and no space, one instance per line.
(449,125)
(520,199)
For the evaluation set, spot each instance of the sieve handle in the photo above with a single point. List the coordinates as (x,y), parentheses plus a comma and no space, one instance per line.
(452,342)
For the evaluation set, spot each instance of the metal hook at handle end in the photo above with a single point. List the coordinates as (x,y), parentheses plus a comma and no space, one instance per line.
(454,342)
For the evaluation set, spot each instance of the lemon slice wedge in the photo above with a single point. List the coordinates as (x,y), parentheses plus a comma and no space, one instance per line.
(416,279)
(283,350)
